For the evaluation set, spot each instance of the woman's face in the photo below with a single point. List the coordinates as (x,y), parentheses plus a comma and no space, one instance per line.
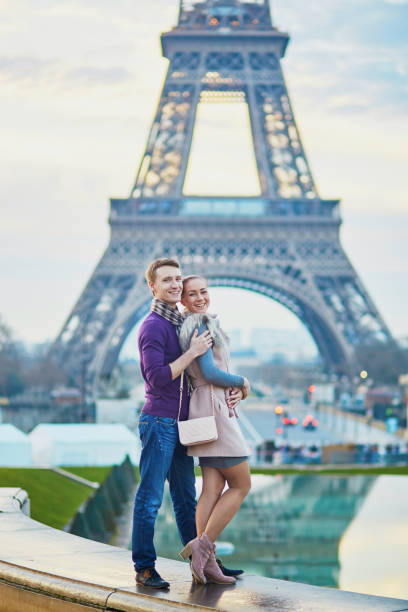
(195,297)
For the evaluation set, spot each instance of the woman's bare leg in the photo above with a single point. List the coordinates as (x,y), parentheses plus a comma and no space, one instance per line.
(213,485)
(239,483)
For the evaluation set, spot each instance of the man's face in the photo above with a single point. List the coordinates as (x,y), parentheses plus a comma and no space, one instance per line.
(167,285)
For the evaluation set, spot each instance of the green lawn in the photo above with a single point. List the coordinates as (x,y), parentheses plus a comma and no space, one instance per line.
(54,499)
(94,474)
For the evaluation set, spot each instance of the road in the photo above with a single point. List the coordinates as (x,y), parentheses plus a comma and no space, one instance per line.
(264,421)
(259,422)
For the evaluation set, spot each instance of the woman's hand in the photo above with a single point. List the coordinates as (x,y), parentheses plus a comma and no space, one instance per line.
(246,387)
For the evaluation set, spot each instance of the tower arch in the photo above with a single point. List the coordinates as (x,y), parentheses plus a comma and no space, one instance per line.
(283,243)
(326,339)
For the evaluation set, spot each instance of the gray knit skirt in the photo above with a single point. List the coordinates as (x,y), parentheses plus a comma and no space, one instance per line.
(221,462)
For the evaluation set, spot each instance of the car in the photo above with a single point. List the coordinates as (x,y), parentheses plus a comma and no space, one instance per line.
(310,423)
(289,421)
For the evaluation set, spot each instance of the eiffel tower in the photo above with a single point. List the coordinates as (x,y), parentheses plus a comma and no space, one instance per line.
(283,244)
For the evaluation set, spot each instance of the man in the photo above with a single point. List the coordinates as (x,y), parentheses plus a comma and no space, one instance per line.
(162,454)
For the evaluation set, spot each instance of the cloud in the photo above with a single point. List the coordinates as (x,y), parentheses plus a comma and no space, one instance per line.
(37,72)
(362,77)
(91,75)
(353,54)
(27,68)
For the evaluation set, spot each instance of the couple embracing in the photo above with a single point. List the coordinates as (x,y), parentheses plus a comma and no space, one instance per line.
(170,343)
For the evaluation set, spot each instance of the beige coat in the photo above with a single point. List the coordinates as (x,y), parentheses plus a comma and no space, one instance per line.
(231,442)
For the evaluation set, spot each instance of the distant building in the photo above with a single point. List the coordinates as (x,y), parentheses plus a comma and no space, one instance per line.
(382,402)
(235,338)
(38,405)
(66,396)
(126,410)
(245,357)
(283,344)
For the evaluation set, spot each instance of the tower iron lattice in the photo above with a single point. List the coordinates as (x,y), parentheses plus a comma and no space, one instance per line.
(283,244)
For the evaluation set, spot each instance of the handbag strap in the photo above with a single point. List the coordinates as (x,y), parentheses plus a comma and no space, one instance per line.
(181,396)
(212,399)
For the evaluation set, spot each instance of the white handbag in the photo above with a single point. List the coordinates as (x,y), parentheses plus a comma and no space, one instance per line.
(196,431)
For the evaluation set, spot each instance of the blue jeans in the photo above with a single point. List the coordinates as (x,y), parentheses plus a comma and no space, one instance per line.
(162,457)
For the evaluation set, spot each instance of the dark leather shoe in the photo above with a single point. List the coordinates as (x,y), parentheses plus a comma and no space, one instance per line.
(229,572)
(150,578)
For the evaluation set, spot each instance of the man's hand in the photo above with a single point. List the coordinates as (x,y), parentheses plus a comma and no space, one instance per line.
(200,343)
(235,395)
(198,346)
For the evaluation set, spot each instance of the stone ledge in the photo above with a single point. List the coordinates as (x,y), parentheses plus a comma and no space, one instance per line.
(14,500)
(44,564)
(83,593)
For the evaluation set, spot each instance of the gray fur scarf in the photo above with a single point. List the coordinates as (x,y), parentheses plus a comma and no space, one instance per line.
(193,321)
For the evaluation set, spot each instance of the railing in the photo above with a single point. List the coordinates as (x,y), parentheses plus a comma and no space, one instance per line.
(224,206)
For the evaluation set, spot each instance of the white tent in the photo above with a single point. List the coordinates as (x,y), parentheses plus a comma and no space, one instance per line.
(15,447)
(83,444)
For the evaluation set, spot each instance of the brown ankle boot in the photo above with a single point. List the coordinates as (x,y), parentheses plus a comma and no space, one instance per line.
(213,572)
(199,549)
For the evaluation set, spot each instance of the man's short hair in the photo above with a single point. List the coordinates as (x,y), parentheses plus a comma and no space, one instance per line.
(158,263)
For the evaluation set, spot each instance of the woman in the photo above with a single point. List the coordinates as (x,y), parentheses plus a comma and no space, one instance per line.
(226,459)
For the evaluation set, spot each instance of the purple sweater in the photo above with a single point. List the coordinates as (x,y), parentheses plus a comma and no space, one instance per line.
(159,346)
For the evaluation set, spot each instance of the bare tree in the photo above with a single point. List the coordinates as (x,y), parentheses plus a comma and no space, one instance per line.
(43,372)
(384,361)
(11,367)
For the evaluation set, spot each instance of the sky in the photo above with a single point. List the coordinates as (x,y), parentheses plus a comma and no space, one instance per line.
(79,83)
